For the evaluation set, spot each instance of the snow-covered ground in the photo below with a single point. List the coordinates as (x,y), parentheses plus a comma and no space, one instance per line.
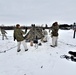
(42,61)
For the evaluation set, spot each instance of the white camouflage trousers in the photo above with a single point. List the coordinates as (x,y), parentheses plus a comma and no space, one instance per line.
(4,35)
(45,38)
(54,41)
(23,43)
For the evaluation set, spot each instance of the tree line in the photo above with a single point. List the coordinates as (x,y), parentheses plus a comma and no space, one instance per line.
(28,27)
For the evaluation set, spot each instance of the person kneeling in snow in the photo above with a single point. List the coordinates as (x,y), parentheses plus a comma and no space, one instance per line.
(18,35)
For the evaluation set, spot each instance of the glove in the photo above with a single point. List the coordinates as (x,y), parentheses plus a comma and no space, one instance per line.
(25,29)
(14,38)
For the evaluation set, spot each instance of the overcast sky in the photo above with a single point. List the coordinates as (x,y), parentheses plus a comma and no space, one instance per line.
(37,11)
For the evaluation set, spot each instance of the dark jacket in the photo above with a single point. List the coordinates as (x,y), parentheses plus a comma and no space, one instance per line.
(55,29)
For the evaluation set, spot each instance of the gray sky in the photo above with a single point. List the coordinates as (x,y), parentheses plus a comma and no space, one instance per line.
(37,11)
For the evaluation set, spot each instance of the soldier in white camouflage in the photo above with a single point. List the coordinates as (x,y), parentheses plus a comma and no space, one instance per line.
(3,32)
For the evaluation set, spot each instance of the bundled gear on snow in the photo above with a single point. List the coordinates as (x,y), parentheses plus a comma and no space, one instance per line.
(72,56)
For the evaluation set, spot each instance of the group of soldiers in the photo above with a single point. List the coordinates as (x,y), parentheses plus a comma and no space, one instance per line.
(18,36)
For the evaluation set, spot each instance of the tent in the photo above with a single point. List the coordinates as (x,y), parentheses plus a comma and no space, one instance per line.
(33,33)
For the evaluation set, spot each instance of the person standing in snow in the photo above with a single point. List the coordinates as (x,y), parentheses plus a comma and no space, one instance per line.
(3,32)
(44,32)
(18,35)
(54,34)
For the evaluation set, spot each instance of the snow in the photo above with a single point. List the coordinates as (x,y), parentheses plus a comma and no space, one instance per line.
(42,61)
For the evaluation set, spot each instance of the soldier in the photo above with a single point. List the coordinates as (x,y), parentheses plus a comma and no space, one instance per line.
(3,32)
(44,32)
(18,35)
(54,34)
